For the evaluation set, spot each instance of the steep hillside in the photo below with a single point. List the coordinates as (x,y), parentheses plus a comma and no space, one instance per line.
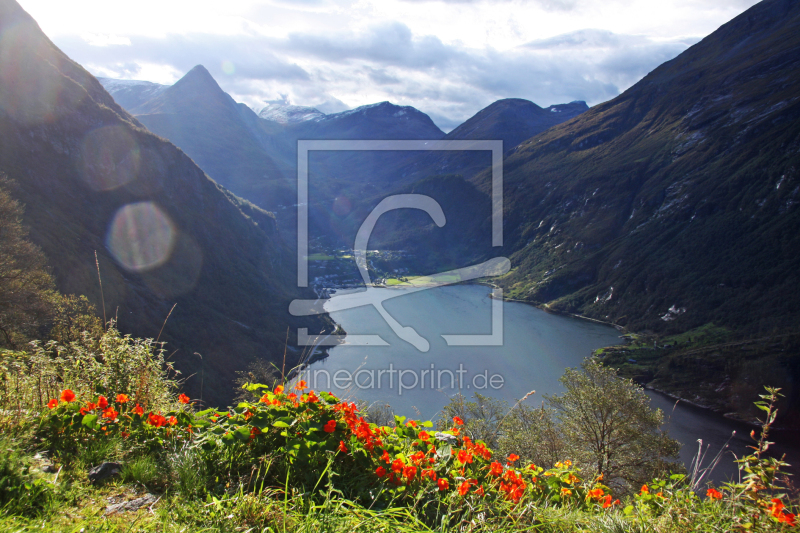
(289,114)
(675,204)
(93,179)
(227,140)
(680,192)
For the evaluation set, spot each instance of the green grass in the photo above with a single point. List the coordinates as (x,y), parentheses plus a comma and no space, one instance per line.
(320,257)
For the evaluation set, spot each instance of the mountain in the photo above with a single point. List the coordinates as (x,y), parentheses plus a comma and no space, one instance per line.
(131,93)
(511,120)
(226,139)
(289,114)
(94,180)
(675,205)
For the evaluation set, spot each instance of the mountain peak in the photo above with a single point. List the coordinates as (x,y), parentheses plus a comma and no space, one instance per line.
(199,76)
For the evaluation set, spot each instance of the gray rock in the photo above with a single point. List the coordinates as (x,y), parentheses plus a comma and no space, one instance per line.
(104,471)
(132,505)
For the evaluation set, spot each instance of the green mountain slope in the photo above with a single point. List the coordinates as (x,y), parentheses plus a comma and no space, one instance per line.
(680,192)
(93,179)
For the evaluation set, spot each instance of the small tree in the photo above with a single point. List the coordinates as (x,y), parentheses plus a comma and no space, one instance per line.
(27,290)
(482,418)
(610,428)
(533,434)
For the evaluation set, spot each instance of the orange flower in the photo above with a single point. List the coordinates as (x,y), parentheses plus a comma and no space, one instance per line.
(513,458)
(409,472)
(265,399)
(606,500)
(254,432)
(566,492)
(110,413)
(443,484)
(342,447)
(52,404)
(464,457)
(397,465)
(776,508)
(172,420)
(292,396)
(424,435)
(380,471)
(430,473)
(122,398)
(330,427)
(463,488)
(385,457)
(156,420)
(480,491)
(102,403)
(457,421)
(788,519)
(124,434)
(596,494)
(411,423)
(496,469)
(183,399)
(301,385)
(138,410)
(644,490)
(67,396)
(279,389)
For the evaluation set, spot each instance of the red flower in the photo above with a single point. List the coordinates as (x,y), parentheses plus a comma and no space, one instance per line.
(714,494)
(424,435)
(596,494)
(67,396)
(138,410)
(496,469)
(788,518)
(606,500)
(464,457)
(411,423)
(172,421)
(397,465)
(301,385)
(457,421)
(156,420)
(292,396)
(52,404)
(342,447)
(479,492)
(124,434)
(254,432)
(279,389)
(385,457)
(430,473)
(183,399)
(380,471)
(410,472)
(330,427)
(122,398)
(443,484)
(102,403)
(110,413)
(464,488)
(513,458)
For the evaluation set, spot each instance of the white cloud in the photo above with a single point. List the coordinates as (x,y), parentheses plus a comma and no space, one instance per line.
(448,58)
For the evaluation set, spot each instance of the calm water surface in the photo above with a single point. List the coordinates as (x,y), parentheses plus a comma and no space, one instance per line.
(537,347)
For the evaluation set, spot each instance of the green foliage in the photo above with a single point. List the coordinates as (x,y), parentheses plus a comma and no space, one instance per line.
(122,364)
(610,427)
(26,287)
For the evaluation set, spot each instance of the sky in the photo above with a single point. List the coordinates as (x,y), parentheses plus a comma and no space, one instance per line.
(447,58)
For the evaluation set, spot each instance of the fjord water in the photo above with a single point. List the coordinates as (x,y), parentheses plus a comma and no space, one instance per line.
(537,347)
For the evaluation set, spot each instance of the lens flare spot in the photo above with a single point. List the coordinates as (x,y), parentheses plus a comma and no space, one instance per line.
(110,158)
(228,67)
(342,206)
(141,236)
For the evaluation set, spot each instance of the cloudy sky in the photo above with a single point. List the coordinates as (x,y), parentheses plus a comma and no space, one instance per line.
(448,58)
